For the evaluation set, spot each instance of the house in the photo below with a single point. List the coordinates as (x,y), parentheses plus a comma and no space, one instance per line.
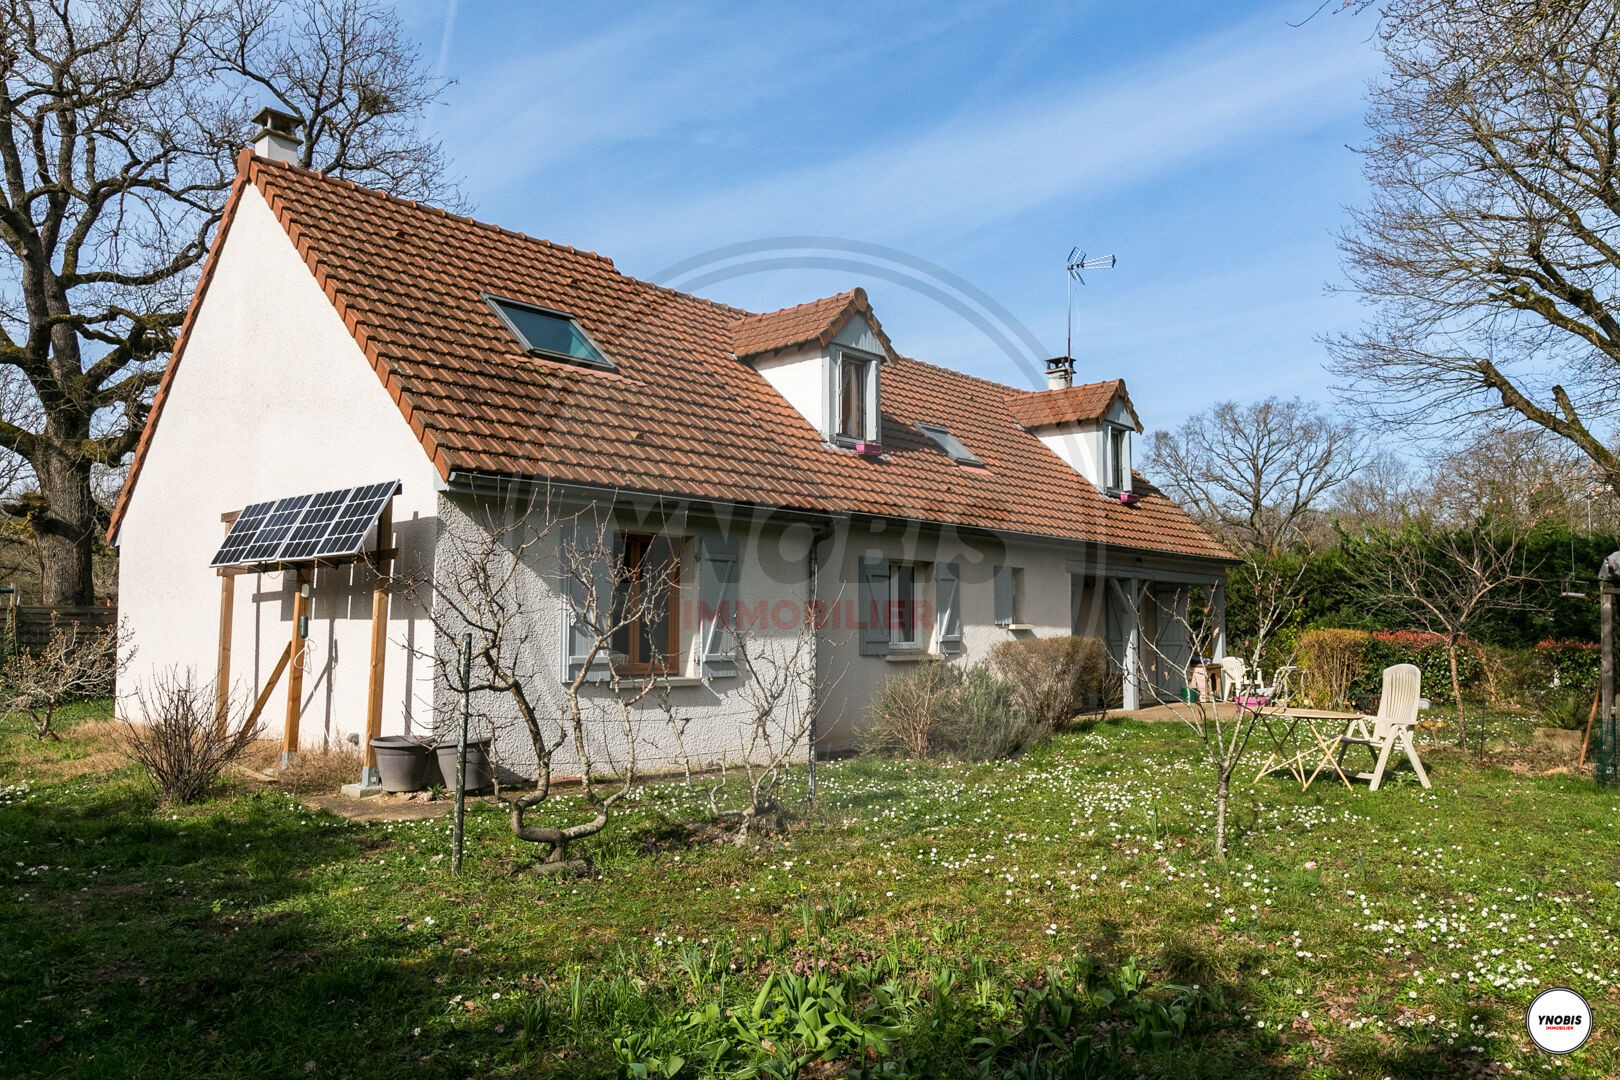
(777,462)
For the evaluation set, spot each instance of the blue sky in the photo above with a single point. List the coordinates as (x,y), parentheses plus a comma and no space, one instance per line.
(946,159)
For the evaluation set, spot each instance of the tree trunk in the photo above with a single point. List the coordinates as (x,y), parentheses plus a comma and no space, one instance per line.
(1223,788)
(1456,693)
(64,529)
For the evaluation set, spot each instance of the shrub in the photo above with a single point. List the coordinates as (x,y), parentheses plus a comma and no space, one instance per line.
(906,710)
(1331,662)
(1054,679)
(949,710)
(981,720)
(180,743)
(1567,709)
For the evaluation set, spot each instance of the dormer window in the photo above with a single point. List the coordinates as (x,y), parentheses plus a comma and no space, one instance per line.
(552,334)
(949,443)
(855,398)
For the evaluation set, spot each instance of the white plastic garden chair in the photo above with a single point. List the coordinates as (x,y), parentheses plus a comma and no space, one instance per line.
(1234,677)
(1397,713)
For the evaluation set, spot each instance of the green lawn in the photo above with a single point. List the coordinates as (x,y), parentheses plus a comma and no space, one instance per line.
(924,920)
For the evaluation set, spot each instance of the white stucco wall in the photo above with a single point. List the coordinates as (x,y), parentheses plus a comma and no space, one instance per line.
(1054,604)
(713,714)
(1085,446)
(272,398)
(800,376)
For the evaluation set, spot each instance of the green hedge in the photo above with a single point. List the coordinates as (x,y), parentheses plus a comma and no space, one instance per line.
(1428,651)
(1574,664)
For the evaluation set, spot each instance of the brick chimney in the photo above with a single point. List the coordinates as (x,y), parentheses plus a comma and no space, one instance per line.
(277,138)
(1060,372)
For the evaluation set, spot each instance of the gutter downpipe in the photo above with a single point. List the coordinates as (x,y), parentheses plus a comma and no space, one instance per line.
(812,612)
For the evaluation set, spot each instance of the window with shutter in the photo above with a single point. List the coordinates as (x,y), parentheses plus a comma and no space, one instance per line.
(1009,587)
(948,602)
(646,601)
(717,605)
(586,571)
(874,606)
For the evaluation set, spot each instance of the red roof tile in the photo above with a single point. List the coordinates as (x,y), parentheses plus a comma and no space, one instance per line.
(817,322)
(681,415)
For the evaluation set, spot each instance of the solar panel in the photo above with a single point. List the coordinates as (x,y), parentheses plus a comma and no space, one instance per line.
(303,528)
(242,531)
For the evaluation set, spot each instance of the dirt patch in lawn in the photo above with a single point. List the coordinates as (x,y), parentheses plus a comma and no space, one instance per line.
(388,807)
(93,748)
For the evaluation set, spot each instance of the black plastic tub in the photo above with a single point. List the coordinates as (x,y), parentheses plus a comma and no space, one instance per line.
(480,777)
(401,762)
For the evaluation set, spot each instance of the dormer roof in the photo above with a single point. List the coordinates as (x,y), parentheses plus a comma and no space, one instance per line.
(1089,403)
(814,323)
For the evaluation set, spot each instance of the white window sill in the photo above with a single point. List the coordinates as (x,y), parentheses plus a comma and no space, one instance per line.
(602,678)
(1016,626)
(911,656)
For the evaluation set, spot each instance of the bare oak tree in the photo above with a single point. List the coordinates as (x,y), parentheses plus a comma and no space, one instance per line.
(1488,251)
(119,122)
(1258,476)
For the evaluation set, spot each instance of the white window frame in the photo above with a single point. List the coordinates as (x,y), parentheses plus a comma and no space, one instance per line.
(1117,457)
(835,412)
(919,580)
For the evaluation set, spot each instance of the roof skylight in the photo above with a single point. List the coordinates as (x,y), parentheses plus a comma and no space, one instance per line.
(950,444)
(548,333)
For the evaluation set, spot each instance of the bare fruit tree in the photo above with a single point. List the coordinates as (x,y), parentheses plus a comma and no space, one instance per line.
(119,123)
(1259,476)
(1444,581)
(1223,728)
(498,578)
(73,665)
(783,696)
(1487,252)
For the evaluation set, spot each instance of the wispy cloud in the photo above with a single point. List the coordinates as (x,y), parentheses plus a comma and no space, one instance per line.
(1078,141)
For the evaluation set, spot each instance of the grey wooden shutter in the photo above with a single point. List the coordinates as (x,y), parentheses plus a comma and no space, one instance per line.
(874,601)
(717,604)
(581,612)
(948,606)
(1004,595)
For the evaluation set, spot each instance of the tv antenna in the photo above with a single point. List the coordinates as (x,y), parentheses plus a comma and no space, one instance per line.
(1079,262)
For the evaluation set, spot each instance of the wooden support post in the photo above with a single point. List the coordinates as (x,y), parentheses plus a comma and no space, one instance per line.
(295,677)
(379,644)
(1586,740)
(222,669)
(1606,683)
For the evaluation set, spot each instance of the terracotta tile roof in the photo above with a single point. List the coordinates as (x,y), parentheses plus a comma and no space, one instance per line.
(1048,408)
(817,322)
(682,415)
